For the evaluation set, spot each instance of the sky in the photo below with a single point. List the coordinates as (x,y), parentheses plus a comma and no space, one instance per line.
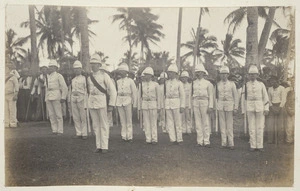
(108,37)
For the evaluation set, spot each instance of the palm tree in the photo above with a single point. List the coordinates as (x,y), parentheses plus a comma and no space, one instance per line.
(251,38)
(230,51)
(131,60)
(146,30)
(126,19)
(34,58)
(84,37)
(13,47)
(102,56)
(236,17)
(178,61)
(206,44)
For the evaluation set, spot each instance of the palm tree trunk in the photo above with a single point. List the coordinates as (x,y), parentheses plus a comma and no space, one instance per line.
(291,47)
(34,63)
(197,39)
(179,39)
(84,38)
(130,48)
(251,38)
(265,34)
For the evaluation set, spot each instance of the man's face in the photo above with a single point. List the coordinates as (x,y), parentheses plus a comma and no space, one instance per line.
(52,69)
(77,71)
(224,76)
(199,75)
(172,75)
(252,77)
(122,73)
(95,67)
(184,79)
(44,70)
(147,77)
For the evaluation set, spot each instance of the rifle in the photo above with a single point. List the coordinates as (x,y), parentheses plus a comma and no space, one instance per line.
(140,113)
(245,114)
(216,110)
(87,108)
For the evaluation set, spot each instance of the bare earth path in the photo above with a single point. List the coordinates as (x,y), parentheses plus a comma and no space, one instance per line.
(35,157)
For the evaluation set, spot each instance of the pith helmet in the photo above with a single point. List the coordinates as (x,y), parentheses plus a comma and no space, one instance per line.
(253,70)
(77,64)
(184,74)
(53,63)
(173,68)
(148,70)
(200,68)
(123,67)
(95,59)
(224,70)
(163,75)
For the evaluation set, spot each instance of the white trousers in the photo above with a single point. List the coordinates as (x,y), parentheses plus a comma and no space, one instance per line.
(290,125)
(202,126)
(100,126)
(55,115)
(186,121)
(79,117)
(10,111)
(256,129)
(125,114)
(173,120)
(226,127)
(110,118)
(150,124)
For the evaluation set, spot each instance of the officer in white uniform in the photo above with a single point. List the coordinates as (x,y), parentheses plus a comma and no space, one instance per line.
(11,96)
(257,106)
(162,115)
(126,99)
(78,101)
(174,105)
(203,105)
(100,86)
(56,93)
(149,103)
(186,115)
(227,104)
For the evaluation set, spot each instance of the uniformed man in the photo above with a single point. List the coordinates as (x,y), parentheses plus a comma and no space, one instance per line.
(38,93)
(11,95)
(162,115)
(174,105)
(25,83)
(275,117)
(56,93)
(186,115)
(78,101)
(227,104)
(256,100)
(203,105)
(149,103)
(126,99)
(289,107)
(100,87)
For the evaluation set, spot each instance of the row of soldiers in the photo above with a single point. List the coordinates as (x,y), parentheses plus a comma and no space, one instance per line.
(175,102)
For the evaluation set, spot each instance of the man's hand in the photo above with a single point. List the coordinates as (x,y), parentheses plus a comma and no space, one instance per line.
(266,112)
(181,110)
(210,110)
(110,108)
(62,101)
(15,98)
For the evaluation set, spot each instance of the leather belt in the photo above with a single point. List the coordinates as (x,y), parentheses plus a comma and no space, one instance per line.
(124,94)
(149,99)
(200,98)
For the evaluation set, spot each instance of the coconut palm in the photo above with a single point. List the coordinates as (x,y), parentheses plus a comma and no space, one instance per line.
(231,50)
(146,31)
(102,56)
(131,60)
(206,44)
(13,47)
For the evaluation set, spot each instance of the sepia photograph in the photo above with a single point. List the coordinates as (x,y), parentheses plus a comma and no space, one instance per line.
(148,96)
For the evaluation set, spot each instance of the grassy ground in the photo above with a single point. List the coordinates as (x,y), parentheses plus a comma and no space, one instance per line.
(35,157)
